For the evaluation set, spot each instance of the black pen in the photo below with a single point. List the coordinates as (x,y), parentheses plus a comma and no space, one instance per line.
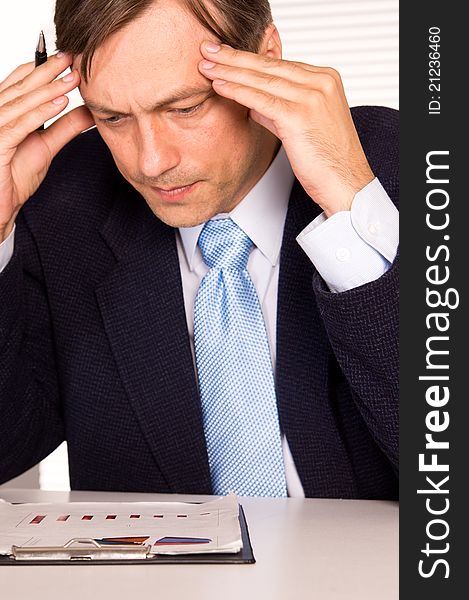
(40,58)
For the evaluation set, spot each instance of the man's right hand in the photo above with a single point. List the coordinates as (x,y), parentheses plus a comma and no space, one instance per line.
(29,97)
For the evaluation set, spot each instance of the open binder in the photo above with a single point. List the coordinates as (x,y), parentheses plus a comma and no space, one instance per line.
(80,551)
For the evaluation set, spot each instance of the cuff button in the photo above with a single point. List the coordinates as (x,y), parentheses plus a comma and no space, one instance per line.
(374,228)
(343,254)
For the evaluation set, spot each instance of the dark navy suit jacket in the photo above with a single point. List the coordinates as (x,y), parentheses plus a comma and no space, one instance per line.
(94,346)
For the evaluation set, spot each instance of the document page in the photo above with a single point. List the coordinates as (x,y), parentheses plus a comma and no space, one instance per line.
(168,527)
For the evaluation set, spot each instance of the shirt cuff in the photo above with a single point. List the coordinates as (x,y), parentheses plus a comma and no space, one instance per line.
(355,247)
(6,249)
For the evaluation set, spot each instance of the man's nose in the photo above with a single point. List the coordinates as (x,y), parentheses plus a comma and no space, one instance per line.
(158,151)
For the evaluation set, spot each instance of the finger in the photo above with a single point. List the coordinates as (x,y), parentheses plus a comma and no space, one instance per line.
(265,104)
(299,90)
(14,132)
(66,128)
(293,71)
(224,54)
(18,74)
(271,84)
(20,105)
(36,78)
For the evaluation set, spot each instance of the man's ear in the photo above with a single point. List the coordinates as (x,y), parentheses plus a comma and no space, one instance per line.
(271,45)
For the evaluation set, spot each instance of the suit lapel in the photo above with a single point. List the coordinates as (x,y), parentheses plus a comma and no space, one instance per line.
(142,308)
(304,359)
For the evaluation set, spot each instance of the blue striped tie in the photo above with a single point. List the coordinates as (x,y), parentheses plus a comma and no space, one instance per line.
(234,367)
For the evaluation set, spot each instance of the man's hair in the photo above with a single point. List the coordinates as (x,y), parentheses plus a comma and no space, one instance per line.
(83,25)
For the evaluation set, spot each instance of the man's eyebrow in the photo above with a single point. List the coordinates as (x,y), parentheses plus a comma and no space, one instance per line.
(183,94)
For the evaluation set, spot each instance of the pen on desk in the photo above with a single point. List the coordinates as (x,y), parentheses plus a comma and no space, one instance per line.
(40,58)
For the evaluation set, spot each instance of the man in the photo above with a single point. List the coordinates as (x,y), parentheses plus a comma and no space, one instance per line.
(164,320)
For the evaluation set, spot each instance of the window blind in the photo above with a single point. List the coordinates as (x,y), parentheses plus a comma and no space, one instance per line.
(359,38)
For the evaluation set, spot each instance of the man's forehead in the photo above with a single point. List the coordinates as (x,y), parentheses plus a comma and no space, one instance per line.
(152,61)
(143,89)
(154,57)
(167,31)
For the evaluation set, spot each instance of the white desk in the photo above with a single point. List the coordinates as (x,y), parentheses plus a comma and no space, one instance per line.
(305,549)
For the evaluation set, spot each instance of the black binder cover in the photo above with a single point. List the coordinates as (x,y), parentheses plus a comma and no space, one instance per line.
(245,556)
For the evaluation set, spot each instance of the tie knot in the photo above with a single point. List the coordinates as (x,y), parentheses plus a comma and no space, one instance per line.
(224,245)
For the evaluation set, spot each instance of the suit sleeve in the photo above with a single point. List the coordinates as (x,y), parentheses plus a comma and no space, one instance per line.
(30,426)
(363,323)
(363,328)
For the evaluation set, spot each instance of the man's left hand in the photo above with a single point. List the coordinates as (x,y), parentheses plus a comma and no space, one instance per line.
(306,108)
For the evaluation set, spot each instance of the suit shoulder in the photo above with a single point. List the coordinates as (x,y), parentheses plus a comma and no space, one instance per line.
(378,129)
(85,154)
(80,183)
(376,121)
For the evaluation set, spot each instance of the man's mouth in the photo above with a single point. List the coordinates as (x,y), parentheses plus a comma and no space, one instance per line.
(175,193)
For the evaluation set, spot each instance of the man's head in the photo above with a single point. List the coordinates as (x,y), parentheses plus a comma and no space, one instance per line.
(160,117)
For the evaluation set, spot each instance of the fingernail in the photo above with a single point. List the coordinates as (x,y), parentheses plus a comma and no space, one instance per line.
(219,82)
(207,64)
(69,77)
(59,100)
(212,47)
(60,54)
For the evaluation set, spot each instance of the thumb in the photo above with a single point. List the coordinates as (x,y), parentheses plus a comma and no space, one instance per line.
(264,121)
(62,131)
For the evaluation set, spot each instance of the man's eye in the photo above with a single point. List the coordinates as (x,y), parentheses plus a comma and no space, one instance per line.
(112,120)
(187,111)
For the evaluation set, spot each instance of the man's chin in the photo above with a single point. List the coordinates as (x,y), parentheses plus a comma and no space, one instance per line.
(179,216)
(177,222)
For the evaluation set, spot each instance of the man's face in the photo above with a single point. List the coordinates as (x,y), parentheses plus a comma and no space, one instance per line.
(165,126)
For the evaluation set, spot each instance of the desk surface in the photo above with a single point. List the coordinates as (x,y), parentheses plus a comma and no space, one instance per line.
(305,549)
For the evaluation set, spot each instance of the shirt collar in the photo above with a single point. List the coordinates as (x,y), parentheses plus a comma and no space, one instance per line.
(261,214)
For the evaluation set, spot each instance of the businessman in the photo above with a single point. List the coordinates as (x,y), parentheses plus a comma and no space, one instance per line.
(200,293)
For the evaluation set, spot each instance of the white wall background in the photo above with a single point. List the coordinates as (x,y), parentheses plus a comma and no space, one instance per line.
(357,37)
